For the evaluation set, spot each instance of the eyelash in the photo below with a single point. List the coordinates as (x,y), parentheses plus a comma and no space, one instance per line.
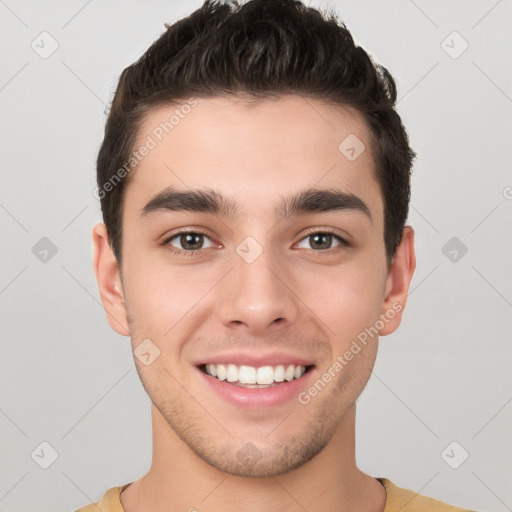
(343,242)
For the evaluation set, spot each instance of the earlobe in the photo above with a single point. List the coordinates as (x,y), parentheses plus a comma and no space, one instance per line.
(109,280)
(398,282)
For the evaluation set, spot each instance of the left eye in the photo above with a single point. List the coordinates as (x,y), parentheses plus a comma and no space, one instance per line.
(322,240)
(190,241)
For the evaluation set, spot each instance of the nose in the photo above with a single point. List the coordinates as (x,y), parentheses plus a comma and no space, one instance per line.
(258,296)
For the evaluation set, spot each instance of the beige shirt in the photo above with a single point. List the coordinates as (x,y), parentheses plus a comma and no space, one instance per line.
(397,499)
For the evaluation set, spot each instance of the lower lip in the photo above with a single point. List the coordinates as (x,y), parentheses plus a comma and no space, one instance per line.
(253,398)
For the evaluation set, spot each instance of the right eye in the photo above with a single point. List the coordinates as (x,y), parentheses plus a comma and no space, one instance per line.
(190,242)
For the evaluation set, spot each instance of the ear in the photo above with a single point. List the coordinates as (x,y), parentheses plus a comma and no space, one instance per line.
(109,280)
(398,281)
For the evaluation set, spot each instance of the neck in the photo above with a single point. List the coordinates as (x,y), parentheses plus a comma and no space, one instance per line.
(179,480)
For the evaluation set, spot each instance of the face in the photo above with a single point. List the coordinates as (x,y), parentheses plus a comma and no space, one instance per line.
(240,274)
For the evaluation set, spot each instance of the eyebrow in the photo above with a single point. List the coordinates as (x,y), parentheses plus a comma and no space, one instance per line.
(210,201)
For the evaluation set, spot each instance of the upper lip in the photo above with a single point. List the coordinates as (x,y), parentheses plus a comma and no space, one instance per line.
(256,360)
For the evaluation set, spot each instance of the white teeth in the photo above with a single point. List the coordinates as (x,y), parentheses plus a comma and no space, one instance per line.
(231,373)
(249,375)
(220,369)
(265,375)
(279,373)
(289,372)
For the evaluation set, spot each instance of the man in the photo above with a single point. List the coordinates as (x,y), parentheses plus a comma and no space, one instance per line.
(254,181)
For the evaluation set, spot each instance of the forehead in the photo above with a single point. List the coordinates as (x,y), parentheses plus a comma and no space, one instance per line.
(253,152)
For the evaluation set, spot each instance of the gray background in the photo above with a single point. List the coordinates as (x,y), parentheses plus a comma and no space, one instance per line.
(70,381)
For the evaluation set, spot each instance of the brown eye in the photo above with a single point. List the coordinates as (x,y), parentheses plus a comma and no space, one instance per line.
(191,241)
(323,240)
(188,241)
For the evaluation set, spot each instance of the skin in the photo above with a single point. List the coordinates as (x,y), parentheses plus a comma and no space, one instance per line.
(214,301)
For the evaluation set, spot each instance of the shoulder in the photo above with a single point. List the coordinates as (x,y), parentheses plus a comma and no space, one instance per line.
(110,502)
(405,500)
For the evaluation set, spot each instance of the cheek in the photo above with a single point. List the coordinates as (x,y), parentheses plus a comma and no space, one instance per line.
(159,296)
(347,299)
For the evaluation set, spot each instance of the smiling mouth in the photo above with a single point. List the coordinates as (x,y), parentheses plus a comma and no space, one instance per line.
(252,377)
